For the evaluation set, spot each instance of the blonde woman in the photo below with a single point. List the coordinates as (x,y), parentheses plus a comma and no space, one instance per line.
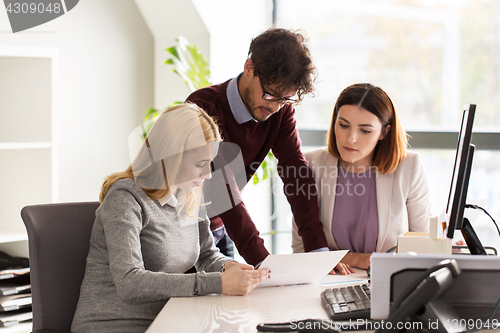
(370,188)
(151,227)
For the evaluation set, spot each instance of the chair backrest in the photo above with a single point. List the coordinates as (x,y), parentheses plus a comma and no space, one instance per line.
(59,240)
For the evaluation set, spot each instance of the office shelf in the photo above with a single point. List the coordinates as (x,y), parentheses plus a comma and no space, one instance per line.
(25,145)
(27,150)
(8,236)
(28,172)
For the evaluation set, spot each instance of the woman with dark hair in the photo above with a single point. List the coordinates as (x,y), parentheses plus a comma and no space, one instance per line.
(370,189)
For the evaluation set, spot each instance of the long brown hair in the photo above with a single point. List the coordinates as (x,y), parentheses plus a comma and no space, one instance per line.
(177,130)
(391,150)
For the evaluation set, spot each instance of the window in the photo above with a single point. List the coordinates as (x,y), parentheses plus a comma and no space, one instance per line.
(431,57)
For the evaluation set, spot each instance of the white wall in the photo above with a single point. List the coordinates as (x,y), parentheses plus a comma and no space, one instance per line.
(232,25)
(111,70)
(167,20)
(221,29)
(105,81)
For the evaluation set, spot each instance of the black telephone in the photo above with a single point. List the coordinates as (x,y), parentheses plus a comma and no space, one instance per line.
(423,300)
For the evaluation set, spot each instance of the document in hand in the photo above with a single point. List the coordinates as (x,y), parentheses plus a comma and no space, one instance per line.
(299,268)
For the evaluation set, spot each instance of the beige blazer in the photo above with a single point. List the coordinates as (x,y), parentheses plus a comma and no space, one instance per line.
(403,199)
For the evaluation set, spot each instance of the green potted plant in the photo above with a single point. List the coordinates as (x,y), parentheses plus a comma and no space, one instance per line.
(190,64)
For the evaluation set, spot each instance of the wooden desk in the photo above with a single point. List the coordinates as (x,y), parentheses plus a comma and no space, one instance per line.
(221,313)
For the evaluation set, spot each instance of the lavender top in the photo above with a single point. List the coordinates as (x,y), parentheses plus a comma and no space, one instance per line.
(355,215)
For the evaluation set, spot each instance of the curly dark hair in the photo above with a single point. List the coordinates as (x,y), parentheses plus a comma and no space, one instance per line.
(281,57)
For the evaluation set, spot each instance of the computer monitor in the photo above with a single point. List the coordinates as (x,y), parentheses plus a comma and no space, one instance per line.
(460,183)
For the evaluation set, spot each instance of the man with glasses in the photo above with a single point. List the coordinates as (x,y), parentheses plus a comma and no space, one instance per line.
(255,111)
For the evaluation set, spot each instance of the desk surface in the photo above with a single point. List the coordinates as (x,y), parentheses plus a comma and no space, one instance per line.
(221,313)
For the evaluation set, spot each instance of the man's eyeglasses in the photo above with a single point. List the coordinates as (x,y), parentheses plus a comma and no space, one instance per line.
(280,100)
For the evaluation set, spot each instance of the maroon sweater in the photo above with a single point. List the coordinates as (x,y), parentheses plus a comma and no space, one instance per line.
(255,139)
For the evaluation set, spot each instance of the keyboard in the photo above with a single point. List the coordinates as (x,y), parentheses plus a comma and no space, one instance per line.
(458,249)
(351,302)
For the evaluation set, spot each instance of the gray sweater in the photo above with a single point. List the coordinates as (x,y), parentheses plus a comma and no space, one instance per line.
(139,251)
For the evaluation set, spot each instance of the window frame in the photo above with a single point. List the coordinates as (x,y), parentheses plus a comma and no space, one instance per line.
(418,139)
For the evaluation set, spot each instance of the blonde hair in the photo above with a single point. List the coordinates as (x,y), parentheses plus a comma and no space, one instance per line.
(177,130)
(391,150)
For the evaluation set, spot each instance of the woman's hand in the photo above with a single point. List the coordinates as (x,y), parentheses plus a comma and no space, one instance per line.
(343,269)
(240,279)
(359,260)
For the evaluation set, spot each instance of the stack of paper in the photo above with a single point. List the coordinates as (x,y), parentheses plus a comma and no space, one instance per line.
(14,318)
(15,296)
(15,302)
(15,286)
(10,273)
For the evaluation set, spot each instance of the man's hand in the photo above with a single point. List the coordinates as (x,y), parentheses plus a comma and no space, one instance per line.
(240,279)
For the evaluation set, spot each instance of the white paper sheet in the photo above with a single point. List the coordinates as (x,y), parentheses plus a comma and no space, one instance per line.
(298,268)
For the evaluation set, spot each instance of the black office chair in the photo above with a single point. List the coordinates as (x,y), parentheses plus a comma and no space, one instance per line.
(58,237)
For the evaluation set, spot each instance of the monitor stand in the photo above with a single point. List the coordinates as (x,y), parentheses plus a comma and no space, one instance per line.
(470,236)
